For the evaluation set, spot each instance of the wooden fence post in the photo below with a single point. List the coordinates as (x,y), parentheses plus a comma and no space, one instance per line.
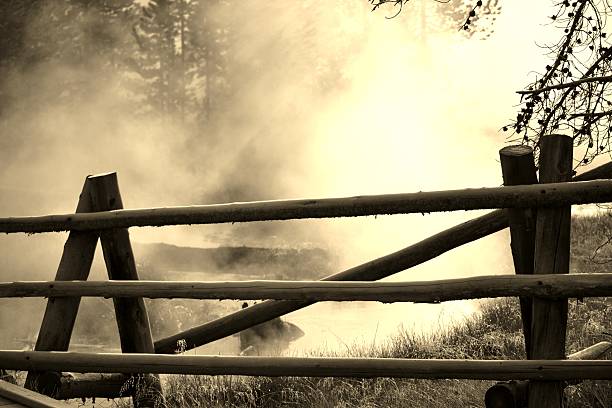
(131,313)
(60,314)
(552,245)
(518,167)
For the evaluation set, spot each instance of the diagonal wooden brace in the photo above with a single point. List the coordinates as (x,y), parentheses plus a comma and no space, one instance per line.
(60,314)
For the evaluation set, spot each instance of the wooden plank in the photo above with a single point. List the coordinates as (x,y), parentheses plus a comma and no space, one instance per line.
(435,291)
(310,366)
(60,314)
(28,398)
(130,313)
(518,168)
(555,194)
(552,247)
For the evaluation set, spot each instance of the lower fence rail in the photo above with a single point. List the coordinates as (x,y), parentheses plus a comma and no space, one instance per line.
(554,370)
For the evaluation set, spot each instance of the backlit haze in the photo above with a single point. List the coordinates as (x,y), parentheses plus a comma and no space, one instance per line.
(410,107)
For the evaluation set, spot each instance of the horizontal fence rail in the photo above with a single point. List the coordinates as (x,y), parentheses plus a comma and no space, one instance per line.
(545,286)
(308,366)
(538,195)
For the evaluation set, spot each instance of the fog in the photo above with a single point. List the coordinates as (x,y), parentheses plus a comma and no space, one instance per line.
(323,99)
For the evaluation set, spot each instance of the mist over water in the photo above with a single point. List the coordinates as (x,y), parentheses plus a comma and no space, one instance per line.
(328,99)
(340,327)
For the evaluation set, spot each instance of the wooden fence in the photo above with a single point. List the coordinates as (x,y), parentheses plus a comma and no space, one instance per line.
(538,214)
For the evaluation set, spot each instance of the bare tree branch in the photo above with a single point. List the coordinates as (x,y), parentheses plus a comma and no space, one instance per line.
(572,84)
(573,95)
(590,114)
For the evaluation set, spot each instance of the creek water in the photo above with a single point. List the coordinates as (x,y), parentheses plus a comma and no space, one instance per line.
(341,327)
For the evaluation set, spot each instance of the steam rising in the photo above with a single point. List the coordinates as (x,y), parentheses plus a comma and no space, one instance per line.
(326,99)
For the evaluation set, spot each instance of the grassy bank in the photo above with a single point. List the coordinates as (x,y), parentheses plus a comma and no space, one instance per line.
(495,333)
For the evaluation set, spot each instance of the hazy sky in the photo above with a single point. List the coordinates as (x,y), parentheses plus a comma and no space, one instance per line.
(413,114)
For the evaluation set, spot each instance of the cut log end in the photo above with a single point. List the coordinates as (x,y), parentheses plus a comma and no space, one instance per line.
(510,394)
(516,150)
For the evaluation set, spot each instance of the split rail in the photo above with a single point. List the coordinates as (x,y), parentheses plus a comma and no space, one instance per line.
(537,212)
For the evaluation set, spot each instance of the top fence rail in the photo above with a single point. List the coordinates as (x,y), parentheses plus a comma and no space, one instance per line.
(538,195)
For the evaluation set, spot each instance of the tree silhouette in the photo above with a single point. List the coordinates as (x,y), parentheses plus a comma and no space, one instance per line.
(572,93)
(474,18)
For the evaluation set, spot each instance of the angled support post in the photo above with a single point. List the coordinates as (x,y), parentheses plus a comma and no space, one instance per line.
(60,314)
(131,313)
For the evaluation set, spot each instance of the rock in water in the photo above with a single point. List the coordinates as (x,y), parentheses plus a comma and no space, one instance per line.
(269,338)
